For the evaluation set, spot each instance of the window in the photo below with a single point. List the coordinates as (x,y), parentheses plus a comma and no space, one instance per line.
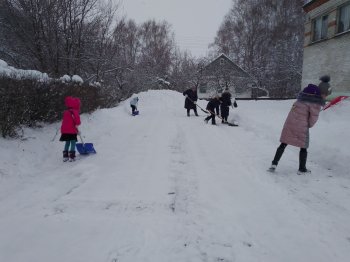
(320,26)
(203,88)
(344,18)
(222,61)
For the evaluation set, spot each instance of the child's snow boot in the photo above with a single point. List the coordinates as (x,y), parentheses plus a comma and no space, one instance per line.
(272,168)
(65,156)
(302,163)
(71,156)
(304,171)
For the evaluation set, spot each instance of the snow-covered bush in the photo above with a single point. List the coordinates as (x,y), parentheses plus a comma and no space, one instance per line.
(77,79)
(65,79)
(25,102)
(9,71)
(162,82)
(97,84)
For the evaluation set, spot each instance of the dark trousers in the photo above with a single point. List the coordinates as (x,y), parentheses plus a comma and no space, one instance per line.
(212,117)
(224,113)
(302,156)
(194,109)
(133,109)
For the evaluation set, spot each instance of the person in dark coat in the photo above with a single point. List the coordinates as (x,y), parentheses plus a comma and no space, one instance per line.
(191,100)
(212,106)
(302,116)
(225,104)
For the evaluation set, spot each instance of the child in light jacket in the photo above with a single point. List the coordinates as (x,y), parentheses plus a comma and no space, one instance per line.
(133,104)
(69,130)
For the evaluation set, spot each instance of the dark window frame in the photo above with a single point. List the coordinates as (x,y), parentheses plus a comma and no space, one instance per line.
(203,88)
(323,22)
(340,25)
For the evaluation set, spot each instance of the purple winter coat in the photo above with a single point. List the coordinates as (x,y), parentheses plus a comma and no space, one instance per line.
(302,116)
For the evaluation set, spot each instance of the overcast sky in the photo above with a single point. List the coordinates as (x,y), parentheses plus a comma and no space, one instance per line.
(194,22)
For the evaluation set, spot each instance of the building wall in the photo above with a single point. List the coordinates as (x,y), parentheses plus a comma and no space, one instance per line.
(330,56)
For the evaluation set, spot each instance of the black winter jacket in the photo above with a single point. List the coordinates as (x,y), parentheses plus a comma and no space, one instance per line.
(192,95)
(213,105)
(226,99)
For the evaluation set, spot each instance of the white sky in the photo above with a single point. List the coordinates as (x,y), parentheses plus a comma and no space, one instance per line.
(194,22)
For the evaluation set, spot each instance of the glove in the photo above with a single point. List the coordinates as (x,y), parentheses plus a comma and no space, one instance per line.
(235,104)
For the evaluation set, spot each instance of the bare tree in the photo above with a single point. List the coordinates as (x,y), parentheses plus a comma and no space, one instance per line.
(265,38)
(87,37)
(184,71)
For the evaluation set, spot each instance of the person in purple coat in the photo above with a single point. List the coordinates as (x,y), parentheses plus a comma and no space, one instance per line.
(302,116)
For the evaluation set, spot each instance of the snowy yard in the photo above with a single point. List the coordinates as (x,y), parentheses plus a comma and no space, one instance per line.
(167,188)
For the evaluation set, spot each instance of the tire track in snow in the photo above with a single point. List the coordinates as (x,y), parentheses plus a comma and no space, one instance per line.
(182,175)
(186,205)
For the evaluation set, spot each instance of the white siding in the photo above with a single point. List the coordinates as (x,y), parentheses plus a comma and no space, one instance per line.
(330,57)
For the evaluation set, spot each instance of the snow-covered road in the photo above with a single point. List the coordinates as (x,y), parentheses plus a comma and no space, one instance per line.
(165,187)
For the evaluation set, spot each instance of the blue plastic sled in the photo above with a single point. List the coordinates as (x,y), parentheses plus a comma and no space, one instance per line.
(85,148)
(135,113)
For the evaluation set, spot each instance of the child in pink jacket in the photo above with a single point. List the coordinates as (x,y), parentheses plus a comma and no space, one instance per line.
(69,130)
(302,116)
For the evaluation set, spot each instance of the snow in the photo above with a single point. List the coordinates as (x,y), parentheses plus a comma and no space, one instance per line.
(77,79)
(96,84)
(65,79)
(167,187)
(10,71)
(163,81)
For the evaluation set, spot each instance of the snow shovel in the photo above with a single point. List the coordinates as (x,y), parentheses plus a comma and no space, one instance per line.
(335,101)
(85,148)
(205,111)
(225,122)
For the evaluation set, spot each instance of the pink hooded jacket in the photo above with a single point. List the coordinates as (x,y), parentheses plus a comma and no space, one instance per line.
(304,114)
(71,118)
(301,117)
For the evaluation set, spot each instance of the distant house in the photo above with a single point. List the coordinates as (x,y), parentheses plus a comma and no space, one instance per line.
(327,43)
(223,73)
